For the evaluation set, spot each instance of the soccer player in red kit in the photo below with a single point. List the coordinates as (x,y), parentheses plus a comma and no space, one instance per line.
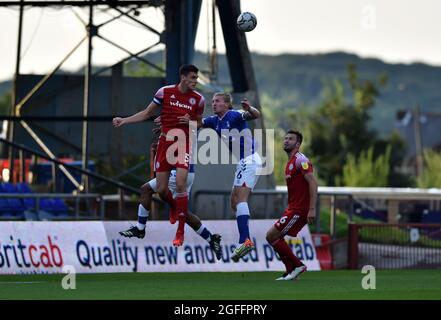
(302,197)
(178,103)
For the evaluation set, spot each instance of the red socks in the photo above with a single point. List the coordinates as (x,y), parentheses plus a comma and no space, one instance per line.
(169,199)
(288,258)
(181,209)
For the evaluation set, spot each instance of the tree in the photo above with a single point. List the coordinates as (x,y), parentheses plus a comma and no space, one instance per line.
(431,177)
(365,171)
(340,127)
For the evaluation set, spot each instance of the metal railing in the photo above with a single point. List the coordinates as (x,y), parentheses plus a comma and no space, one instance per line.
(38,196)
(395,246)
(283,198)
(266,193)
(122,188)
(393,196)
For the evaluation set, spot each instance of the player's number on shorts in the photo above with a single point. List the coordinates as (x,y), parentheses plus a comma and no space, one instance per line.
(242,169)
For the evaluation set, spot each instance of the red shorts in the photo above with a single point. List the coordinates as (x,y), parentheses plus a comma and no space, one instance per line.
(171,155)
(291,222)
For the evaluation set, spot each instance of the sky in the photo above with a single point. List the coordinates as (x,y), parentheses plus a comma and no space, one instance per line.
(396,31)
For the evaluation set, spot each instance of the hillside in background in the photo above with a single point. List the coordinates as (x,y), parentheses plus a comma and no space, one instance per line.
(290,81)
(293,81)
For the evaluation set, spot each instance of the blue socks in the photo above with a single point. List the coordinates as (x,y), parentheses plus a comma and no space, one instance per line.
(204,233)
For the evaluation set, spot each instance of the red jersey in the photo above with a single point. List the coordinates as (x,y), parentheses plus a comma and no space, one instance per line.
(177,104)
(298,187)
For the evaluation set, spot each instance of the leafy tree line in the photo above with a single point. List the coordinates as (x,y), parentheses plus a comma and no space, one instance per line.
(344,148)
(431,177)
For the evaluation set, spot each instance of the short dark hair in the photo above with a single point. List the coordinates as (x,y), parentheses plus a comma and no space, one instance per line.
(187,68)
(298,134)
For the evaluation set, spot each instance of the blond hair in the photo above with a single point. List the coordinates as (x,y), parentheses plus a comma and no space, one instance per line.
(227,97)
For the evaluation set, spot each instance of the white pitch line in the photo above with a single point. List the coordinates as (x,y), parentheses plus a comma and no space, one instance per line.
(19,282)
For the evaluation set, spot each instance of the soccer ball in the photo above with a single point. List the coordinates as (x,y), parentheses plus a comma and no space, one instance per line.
(246,21)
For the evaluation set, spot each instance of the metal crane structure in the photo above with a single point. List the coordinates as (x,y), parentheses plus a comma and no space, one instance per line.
(181,23)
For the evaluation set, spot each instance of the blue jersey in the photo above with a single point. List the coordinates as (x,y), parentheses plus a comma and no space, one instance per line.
(240,138)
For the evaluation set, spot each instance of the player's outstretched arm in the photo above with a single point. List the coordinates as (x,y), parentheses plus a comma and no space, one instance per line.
(313,187)
(251,113)
(137,117)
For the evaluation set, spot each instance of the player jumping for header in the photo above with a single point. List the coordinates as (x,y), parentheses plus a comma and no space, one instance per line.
(231,126)
(175,102)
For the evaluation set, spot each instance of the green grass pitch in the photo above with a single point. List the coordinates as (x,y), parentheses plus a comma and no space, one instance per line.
(344,284)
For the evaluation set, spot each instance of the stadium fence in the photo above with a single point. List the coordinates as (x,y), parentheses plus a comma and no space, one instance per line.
(394,246)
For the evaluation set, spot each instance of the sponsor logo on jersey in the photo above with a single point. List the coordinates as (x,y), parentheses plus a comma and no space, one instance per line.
(305,165)
(192,101)
(180,105)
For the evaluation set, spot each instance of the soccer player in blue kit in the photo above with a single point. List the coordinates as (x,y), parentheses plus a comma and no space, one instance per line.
(231,126)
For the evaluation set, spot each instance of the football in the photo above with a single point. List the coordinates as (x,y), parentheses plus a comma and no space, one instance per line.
(246,21)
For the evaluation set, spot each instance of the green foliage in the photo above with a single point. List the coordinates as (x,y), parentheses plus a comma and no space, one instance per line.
(141,70)
(367,171)
(5,104)
(271,121)
(340,127)
(431,177)
(280,158)
(341,222)
(338,131)
(395,236)
(398,153)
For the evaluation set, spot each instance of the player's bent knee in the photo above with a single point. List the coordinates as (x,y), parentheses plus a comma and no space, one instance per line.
(181,186)
(242,194)
(268,237)
(146,189)
(272,235)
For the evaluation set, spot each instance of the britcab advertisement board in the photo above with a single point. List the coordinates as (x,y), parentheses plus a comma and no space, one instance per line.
(97,247)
